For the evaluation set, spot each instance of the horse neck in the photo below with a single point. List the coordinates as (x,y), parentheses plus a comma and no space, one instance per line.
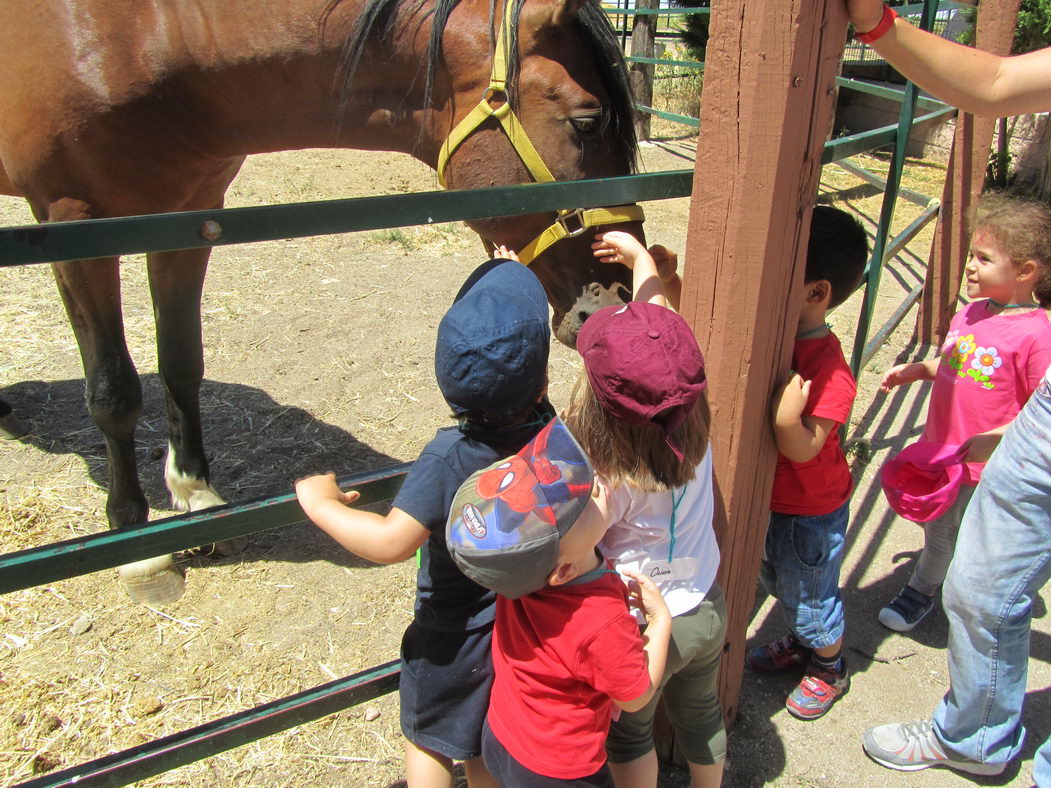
(278,84)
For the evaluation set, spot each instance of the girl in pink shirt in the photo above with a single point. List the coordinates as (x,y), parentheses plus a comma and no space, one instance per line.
(993,358)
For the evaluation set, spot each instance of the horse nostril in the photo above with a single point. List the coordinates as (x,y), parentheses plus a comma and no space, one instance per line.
(582,316)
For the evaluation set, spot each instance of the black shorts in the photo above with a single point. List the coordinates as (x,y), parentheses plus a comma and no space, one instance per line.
(445,682)
(508,771)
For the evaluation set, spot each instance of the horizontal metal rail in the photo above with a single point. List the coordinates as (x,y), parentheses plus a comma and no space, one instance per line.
(660,61)
(872,178)
(225,733)
(81,240)
(40,565)
(844,147)
(883,91)
(685,120)
(612,11)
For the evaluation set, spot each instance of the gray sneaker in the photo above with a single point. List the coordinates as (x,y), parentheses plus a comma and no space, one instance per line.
(906,610)
(911,746)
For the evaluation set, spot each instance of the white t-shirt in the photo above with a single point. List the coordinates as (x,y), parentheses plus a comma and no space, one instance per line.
(640,537)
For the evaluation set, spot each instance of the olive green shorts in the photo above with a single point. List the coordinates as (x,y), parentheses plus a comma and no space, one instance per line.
(689,689)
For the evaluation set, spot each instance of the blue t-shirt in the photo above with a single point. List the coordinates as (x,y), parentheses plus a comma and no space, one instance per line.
(446,600)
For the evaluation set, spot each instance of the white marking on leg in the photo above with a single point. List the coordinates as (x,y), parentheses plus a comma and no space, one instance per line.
(188,492)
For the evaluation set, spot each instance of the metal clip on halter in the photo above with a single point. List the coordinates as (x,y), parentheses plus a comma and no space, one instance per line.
(575,214)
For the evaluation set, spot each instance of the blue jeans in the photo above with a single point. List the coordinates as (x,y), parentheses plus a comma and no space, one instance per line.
(1003,558)
(800,569)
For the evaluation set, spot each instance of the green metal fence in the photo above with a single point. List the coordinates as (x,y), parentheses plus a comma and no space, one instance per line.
(106,237)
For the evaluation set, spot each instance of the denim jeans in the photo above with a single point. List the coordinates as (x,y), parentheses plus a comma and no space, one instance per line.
(800,569)
(1003,558)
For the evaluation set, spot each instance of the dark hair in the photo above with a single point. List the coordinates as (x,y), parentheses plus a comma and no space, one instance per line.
(1022,230)
(636,453)
(498,420)
(838,251)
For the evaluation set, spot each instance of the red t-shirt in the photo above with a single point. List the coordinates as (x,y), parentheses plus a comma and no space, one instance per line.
(559,656)
(823,484)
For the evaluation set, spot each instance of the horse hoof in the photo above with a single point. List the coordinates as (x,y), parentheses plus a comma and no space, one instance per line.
(225,548)
(155,581)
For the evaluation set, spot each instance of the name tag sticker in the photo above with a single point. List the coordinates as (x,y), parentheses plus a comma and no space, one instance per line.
(679,569)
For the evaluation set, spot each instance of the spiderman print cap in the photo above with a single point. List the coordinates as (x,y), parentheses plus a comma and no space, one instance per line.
(506,520)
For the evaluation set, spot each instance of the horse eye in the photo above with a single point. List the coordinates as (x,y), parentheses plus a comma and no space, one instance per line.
(586,125)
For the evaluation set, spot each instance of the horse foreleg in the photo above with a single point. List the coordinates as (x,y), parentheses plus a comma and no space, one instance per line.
(90,290)
(176,283)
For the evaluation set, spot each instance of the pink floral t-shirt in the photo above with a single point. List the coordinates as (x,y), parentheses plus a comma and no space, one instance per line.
(990,364)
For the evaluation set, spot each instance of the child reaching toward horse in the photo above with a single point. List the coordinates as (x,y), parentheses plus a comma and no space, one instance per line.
(490,360)
(992,360)
(566,649)
(639,410)
(809,505)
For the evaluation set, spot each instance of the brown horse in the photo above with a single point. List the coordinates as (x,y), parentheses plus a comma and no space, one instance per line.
(123,107)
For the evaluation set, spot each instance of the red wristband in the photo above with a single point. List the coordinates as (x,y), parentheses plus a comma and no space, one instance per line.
(886,22)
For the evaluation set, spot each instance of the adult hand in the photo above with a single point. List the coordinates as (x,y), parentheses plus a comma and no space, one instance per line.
(865,14)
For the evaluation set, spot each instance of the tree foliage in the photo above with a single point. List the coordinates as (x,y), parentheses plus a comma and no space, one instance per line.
(694,28)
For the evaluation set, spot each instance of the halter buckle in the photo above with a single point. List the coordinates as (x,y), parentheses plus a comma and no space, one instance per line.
(576,214)
(495,92)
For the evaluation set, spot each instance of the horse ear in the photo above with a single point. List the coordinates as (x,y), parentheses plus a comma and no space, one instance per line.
(538,14)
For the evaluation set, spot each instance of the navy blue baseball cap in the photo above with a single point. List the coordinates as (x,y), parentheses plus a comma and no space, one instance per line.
(493,343)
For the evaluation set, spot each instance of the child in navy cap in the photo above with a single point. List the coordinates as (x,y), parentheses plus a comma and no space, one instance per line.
(566,649)
(490,361)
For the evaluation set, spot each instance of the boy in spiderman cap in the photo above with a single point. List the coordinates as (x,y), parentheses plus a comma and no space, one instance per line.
(566,649)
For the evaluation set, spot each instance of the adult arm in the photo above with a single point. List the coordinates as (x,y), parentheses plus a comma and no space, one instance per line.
(976,81)
(385,539)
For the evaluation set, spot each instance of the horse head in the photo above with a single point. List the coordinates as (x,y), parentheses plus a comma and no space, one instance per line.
(561,110)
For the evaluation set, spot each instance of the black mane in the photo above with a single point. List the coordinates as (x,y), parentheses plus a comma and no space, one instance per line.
(377,23)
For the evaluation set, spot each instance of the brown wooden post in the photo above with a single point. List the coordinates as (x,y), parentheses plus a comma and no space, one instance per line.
(643,33)
(766,111)
(964,179)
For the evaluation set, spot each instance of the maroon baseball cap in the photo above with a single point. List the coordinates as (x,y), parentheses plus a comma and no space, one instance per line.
(644,365)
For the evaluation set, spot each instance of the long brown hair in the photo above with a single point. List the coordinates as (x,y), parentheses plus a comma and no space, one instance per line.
(637,453)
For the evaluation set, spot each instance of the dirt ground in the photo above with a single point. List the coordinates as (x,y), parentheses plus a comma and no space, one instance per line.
(319,356)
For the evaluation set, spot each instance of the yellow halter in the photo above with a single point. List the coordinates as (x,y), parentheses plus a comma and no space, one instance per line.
(569,222)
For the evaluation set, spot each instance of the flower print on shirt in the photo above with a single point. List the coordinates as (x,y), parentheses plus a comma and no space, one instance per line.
(985,362)
(957,354)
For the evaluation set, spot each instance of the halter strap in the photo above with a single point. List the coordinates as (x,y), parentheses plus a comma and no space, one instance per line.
(569,222)
(484,110)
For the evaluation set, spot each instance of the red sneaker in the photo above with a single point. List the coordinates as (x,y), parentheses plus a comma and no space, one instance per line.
(818,690)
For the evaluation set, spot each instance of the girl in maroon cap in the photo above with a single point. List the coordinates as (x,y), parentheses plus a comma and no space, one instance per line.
(641,414)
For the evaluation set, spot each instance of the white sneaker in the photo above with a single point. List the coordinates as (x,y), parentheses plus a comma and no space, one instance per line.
(911,746)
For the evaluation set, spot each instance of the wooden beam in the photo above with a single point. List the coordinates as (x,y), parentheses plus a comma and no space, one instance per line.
(964,179)
(767,107)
